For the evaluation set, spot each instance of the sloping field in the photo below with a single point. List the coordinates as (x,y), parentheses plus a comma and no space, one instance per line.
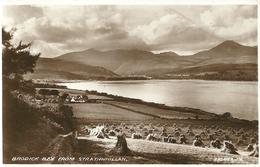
(177,153)
(162,113)
(101,111)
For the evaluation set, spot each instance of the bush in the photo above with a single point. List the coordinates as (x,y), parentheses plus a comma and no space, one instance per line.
(67,120)
(48,92)
(226,115)
(43,91)
(54,92)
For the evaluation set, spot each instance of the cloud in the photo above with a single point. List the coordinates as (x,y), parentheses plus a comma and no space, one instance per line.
(231,22)
(175,31)
(19,14)
(49,49)
(188,39)
(157,28)
(55,30)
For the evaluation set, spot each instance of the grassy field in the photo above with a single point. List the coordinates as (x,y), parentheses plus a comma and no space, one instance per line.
(162,113)
(101,111)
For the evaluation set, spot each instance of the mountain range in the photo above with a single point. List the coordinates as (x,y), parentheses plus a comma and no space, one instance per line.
(92,63)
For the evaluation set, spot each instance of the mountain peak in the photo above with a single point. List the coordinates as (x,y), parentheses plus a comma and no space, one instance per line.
(91,50)
(170,53)
(228,44)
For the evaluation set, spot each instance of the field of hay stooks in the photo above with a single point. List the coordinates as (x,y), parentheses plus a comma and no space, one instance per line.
(182,134)
(229,140)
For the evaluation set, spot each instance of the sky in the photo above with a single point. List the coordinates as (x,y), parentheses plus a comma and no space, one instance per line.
(56,30)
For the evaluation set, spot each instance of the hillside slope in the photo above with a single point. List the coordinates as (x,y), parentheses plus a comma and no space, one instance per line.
(245,72)
(29,127)
(48,68)
(228,52)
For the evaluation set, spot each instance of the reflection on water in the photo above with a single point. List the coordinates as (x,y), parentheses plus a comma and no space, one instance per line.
(239,98)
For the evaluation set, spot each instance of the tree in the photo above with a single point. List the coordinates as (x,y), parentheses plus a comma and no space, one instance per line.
(85,97)
(67,113)
(63,98)
(227,115)
(17,60)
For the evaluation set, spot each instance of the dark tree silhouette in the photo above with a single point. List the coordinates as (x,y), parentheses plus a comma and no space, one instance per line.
(227,115)
(17,60)
(67,122)
(64,96)
(85,97)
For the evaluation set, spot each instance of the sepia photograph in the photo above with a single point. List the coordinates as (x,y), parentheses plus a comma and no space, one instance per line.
(86,83)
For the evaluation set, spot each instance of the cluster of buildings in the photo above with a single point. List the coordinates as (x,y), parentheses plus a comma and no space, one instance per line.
(49,96)
(77,99)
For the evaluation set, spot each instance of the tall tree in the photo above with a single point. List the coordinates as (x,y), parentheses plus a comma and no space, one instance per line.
(17,60)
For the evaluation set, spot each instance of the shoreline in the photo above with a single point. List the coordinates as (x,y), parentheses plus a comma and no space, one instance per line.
(115,94)
(163,106)
(118,98)
(53,81)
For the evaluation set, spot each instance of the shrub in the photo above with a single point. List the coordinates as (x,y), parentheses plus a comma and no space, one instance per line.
(48,92)
(227,115)
(54,92)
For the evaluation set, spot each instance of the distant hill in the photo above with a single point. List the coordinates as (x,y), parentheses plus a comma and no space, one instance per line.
(123,62)
(219,68)
(244,72)
(137,62)
(49,68)
(228,52)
